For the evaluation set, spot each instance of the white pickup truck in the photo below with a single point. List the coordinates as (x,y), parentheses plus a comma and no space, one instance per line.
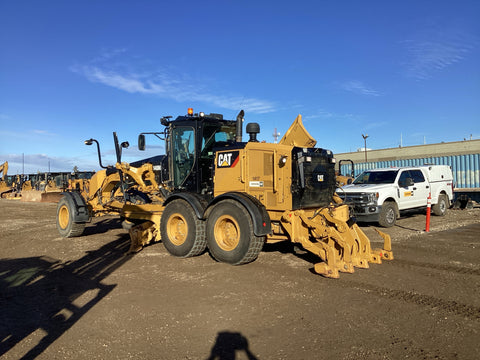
(379,195)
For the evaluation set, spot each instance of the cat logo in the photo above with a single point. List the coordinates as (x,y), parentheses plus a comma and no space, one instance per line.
(229,159)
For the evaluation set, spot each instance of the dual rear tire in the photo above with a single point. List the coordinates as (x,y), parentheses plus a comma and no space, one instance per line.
(228,232)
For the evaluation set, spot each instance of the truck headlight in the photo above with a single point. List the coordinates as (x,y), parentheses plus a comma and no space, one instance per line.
(372,198)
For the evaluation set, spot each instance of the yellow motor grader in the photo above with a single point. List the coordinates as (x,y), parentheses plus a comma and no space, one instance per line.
(214,191)
(4,187)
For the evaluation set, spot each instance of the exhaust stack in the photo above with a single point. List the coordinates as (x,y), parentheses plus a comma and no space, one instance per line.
(238,137)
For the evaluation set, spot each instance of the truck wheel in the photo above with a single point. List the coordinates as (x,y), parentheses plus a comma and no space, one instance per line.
(183,234)
(440,208)
(65,225)
(388,214)
(230,234)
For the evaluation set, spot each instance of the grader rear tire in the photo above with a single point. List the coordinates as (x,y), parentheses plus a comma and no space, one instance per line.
(230,234)
(65,225)
(183,234)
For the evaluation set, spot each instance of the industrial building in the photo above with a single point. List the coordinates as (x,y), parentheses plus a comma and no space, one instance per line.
(462,156)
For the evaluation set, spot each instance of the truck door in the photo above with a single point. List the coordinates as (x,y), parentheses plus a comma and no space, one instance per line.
(412,194)
(421,188)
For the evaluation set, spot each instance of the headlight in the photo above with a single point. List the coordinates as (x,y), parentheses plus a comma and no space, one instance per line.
(372,198)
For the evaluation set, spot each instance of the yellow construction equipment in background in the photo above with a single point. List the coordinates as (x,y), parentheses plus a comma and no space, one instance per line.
(213,190)
(5,188)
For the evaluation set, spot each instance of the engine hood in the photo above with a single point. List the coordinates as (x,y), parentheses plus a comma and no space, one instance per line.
(352,188)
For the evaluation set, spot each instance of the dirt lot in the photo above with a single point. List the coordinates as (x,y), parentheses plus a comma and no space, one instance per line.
(83,298)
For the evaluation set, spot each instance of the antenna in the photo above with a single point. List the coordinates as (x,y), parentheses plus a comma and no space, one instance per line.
(275,134)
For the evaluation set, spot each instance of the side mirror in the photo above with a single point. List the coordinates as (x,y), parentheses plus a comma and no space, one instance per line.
(141,142)
(407,182)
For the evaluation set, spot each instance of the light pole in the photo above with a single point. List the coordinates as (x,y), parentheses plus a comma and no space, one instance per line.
(365,148)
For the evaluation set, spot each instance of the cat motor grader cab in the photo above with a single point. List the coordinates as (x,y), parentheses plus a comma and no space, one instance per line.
(212,190)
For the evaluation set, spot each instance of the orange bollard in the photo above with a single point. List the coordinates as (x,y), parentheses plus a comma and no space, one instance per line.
(429,206)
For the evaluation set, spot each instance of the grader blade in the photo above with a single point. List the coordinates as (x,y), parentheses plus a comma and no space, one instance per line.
(141,235)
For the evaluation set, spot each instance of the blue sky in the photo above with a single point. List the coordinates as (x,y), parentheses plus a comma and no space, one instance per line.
(72,70)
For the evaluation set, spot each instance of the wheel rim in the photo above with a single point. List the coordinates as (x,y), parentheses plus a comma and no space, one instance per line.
(390,216)
(443,206)
(63,217)
(227,233)
(177,229)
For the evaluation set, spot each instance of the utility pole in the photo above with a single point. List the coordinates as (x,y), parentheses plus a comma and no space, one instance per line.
(365,148)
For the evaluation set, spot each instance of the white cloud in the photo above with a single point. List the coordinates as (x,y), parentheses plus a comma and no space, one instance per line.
(433,51)
(327,115)
(165,85)
(43,132)
(358,87)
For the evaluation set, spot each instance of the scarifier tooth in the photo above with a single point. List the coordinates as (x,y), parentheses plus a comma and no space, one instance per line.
(346,268)
(375,257)
(387,255)
(362,264)
(327,271)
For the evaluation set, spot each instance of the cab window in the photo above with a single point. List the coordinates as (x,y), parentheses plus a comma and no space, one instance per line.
(183,153)
(417,176)
(212,135)
(404,176)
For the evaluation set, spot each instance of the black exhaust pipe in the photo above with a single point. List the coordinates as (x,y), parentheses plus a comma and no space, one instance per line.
(240,115)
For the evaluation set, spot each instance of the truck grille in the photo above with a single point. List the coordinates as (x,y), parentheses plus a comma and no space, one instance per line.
(354,198)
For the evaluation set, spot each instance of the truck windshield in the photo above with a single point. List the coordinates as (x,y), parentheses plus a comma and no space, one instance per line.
(376,177)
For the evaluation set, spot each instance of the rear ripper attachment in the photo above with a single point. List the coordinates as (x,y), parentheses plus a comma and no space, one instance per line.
(329,234)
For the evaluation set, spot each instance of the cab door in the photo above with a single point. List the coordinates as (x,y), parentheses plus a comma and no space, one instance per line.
(406,192)
(421,187)
(182,155)
(413,189)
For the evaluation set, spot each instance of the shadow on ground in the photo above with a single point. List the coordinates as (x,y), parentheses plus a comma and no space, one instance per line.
(102,226)
(230,344)
(44,295)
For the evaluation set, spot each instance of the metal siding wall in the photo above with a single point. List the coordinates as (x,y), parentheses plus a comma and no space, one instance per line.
(465,168)
(476,170)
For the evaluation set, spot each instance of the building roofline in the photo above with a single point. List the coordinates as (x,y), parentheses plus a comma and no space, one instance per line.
(415,151)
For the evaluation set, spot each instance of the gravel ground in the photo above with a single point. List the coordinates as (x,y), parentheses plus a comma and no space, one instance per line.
(83,298)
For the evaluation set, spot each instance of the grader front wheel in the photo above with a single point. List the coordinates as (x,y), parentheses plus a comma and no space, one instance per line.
(65,224)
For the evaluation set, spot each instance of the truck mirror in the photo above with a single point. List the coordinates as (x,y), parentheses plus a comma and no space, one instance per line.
(406,183)
(141,142)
